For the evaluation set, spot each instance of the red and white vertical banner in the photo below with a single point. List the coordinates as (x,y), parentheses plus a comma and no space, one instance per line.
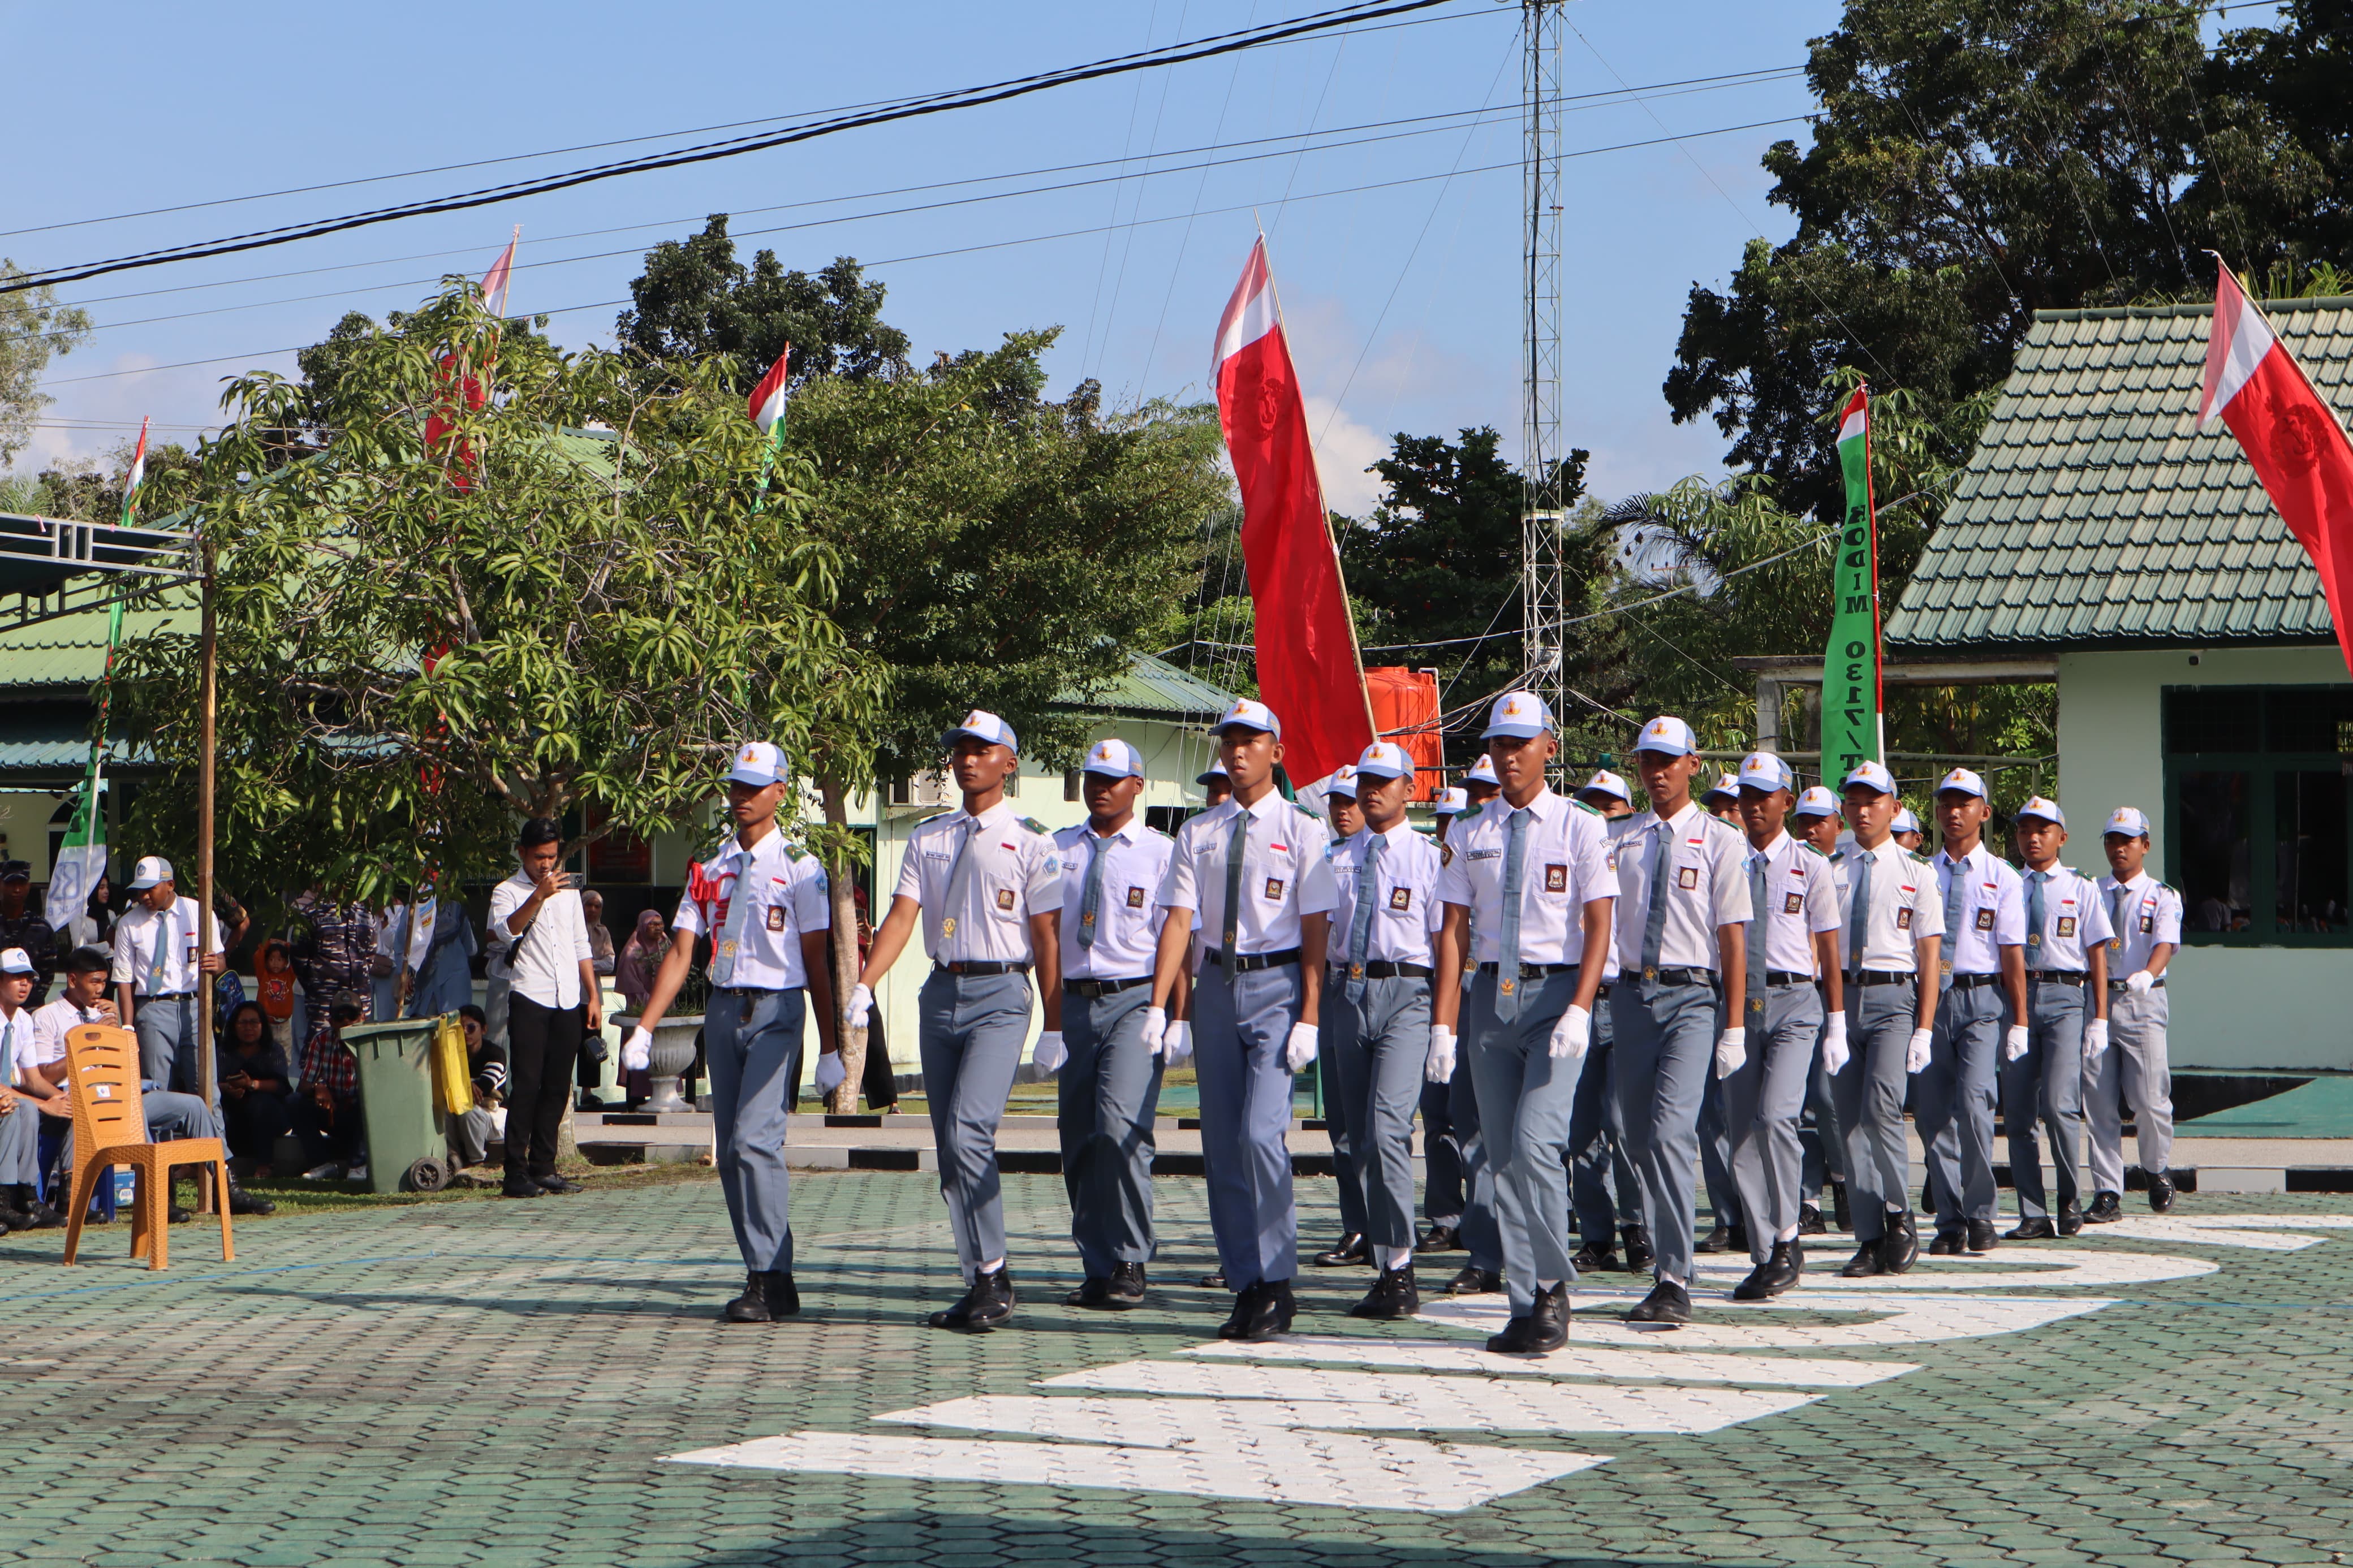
(1309,671)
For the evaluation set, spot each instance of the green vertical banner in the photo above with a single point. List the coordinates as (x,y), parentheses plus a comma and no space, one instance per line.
(1850,687)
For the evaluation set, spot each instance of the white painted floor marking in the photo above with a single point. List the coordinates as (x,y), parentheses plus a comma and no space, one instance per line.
(1742,1326)
(1618,1362)
(2248,1230)
(2012,1267)
(1252,1464)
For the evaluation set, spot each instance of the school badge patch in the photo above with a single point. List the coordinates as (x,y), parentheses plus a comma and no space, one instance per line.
(1556,878)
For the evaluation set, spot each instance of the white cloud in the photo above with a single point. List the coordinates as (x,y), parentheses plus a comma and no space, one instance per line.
(1344,450)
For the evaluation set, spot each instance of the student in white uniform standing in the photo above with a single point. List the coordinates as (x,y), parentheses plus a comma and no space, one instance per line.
(2067,1013)
(987,886)
(2145,918)
(1816,820)
(1981,1014)
(1604,1195)
(158,976)
(1346,818)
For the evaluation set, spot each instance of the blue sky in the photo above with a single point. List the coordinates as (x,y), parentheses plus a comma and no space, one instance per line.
(1402,302)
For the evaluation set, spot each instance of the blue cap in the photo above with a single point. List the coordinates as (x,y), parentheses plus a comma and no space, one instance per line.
(984,727)
(1768,771)
(13,961)
(1870,775)
(1817,802)
(2129,821)
(1114,758)
(1343,782)
(1385,760)
(1904,821)
(759,764)
(1214,771)
(1453,802)
(1965,782)
(1669,737)
(1483,772)
(1604,782)
(2047,809)
(1521,715)
(1251,715)
(1726,784)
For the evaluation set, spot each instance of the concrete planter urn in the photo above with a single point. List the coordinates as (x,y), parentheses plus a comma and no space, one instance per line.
(673,1054)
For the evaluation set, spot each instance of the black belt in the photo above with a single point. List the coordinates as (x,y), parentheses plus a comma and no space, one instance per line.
(1879,977)
(1244,962)
(1383,969)
(1680,976)
(2057,976)
(755,990)
(1786,977)
(1103,987)
(976,968)
(1532,971)
(2120,984)
(1970,982)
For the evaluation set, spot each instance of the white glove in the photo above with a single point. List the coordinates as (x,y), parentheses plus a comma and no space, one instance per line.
(829,1070)
(1915,1055)
(638,1050)
(2096,1037)
(861,1003)
(2014,1042)
(1835,1051)
(1572,1034)
(1177,1045)
(1049,1052)
(1440,1067)
(1731,1051)
(1299,1051)
(1156,1028)
(2139,981)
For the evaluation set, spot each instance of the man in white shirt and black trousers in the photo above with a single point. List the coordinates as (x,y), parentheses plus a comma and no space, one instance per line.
(2067,1014)
(1253,869)
(762,902)
(1113,866)
(987,886)
(1532,870)
(1982,1014)
(1683,920)
(537,925)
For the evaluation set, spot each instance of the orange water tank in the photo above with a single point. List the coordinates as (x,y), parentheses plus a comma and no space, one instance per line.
(1405,710)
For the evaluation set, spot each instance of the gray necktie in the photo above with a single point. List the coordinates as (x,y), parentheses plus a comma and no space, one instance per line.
(1507,970)
(1360,923)
(1957,888)
(1235,843)
(1090,901)
(1858,925)
(1759,916)
(1654,921)
(959,880)
(2035,911)
(2117,901)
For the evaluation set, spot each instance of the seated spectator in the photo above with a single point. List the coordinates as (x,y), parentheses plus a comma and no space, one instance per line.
(21,927)
(326,1113)
(486,1064)
(20,1132)
(255,1084)
(274,974)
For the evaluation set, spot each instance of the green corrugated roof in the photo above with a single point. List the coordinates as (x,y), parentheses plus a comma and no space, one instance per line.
(1151,688)
(67,656)
(2095,513)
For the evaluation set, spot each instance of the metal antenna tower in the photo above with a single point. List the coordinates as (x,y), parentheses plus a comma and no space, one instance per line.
(1543,513)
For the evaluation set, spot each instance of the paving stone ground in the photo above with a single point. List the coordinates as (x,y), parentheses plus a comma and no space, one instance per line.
(495,1384)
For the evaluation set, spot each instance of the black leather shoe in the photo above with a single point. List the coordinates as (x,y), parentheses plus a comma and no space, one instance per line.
(523,1187)
(988,1303)
(1544,1328)
(2032,1229)
(1393,1295)
(1094,1292)
(1212,1281)
(38,1215)
(1666,1303)
(2071,1218)
(1864,1264)
(174,1215)
(767,1295)
(241,1202)
(553,1184)
(1720,1240)
(1349,1248)
(1125,1287)
(1260,1312)
(1949,1243)
(1639,1253)
(1842,1213)
(1590,1260)
(1440,1238)
(1981,1235)
(2160,1193)
(1245,1309)
(1810,1221)
(1899,1246)
(1775,1275)
(2106,1209)
(1474,1281)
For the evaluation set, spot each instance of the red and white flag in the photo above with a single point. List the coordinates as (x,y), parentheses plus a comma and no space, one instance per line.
(2291,435)
(1308,668)
(494,281)
(767,405)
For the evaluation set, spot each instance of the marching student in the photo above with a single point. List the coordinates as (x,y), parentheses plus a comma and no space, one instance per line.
(1722,800)
(157,975)
(2145,920)
(1215,785)
(987,887)
(1441,1148)
(1253,870)
(1346,818)
(1472,1196)
(2041,1077)
(1793,945)
(1109,1089)
(1376,1007)
(1479,784)
(1683,919)
(1533,872)
(762,902)
(1452,802)
(1817,821)
(1889,938)
(1603,1192)
(1908,829)
(1984,965)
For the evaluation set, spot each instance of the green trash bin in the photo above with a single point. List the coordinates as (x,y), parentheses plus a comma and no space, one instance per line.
(407,1132)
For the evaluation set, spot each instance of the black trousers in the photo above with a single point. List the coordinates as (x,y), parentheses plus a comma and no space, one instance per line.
(253,1123)
(542,1044)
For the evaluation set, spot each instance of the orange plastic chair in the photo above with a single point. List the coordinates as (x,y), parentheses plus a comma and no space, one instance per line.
(109,1128)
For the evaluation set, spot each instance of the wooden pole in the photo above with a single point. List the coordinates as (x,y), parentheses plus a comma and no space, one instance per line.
(207,704)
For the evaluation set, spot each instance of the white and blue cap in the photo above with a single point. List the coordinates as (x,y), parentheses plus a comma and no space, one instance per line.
(1214,771)
(987,728)
(1870,774)
(1114,758)
(1966,782)
(1726,785)
(758,763)
(1521,715)
(1385,760)
(2047,810)
(1251,715)
(152,871)
(1904,821)
(13,961)
(1453,802)
(2129,821)
(1668,736)
(1483,772)
(1343,782)
(1817,802)
(1768,771)
(1604,782)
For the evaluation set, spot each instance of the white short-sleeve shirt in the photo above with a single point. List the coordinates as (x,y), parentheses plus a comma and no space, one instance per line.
(1406,913)
(756,905)
(1284,874)
(1704,862)
(155,954)
(1904,908)
(1801,902)
(1565,865)
(1993,910)
(1127,905)
(50,1022)
(2151,913)
(19,1053)
(1015,873)
(2074,920)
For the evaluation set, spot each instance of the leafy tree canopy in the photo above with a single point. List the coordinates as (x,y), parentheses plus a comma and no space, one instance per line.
(34,330)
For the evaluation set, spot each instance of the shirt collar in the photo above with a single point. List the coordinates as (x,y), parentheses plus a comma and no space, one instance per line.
(1691,808)
(1266,806)
(1944,856)
(1776,848)
(1125,832)
(992,816)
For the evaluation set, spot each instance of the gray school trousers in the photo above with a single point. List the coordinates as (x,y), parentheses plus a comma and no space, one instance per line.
(1106,1097)
(754,1064)
(1868,1095)
(2133,1071)
(1953,1114)
(1762,1102)
(972,1029)
(1241,1023)
(2045,1088)
(1526,1098)
(1382,1040)
(1664,1054)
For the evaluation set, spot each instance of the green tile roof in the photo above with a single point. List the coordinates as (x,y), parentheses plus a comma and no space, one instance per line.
(2095,513)
(1151,688)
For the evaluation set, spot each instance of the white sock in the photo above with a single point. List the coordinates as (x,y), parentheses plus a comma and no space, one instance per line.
(1400,1257)
(1895,1208)
(1787,1233)
(986,1268)
(1546,1286)
(1667,1279)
